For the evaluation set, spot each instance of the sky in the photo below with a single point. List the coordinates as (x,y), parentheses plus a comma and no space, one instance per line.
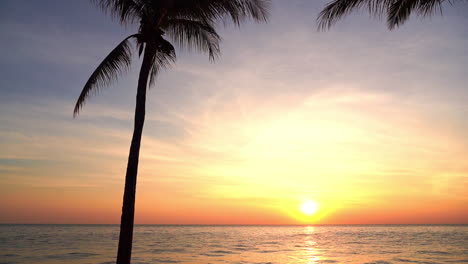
(369,124)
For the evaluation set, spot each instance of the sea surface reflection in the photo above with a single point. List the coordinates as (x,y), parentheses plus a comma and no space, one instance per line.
(86,244)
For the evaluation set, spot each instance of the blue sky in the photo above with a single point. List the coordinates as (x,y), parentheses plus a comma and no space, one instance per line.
(405,87)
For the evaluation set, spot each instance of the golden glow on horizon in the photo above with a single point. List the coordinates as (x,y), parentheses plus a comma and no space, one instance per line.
(309,207)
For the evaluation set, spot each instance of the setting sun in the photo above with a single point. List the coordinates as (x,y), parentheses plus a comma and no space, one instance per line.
(309,207)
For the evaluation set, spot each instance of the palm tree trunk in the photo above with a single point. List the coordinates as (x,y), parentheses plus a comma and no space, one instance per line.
(128,208)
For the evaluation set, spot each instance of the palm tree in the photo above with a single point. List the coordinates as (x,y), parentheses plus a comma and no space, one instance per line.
(189,23)
(396,11)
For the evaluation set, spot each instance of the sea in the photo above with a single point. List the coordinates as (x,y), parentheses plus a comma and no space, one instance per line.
(369,244)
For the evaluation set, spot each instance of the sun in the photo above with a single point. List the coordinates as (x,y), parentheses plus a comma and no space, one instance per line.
(309,207)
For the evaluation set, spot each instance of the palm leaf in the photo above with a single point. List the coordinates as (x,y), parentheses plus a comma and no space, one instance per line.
(189,33)
(213,10)
(256,9)
(337,9)
(164,57)
(117,62)
(396,11)
(400,10)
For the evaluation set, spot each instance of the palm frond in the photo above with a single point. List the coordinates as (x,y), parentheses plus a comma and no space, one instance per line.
(256,9)
(396,11)
(164,57)
(127,11)
(117,62)
(213,10)
(337,9)
(190,33)
(401,10)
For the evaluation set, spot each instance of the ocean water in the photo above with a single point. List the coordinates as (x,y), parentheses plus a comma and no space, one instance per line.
(97,244)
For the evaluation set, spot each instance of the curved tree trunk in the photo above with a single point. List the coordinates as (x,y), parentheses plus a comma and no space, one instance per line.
(128,208)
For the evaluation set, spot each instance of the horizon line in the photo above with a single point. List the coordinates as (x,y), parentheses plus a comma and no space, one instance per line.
(435,224)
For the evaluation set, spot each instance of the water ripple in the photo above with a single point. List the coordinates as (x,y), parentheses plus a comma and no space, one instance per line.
(57,244)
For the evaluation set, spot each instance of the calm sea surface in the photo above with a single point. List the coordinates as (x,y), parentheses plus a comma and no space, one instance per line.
(97,244)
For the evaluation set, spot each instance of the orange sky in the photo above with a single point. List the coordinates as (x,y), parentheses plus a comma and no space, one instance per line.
(259,169)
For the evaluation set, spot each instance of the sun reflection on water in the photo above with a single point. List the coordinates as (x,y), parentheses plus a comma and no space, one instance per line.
(310,246)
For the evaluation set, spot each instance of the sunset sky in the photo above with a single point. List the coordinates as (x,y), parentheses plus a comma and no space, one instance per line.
(370,124)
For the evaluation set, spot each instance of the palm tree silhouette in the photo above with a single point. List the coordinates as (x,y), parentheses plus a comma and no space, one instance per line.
(396,11)
(189,23)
